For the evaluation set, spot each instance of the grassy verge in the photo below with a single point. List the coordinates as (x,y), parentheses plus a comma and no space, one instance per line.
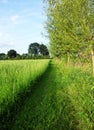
(63,99)
(79,84)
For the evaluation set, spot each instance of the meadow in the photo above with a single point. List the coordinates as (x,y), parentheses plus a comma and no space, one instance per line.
(17,77)
(62,99)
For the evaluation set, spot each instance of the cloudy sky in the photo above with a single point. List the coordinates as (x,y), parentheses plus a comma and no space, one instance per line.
(21,23)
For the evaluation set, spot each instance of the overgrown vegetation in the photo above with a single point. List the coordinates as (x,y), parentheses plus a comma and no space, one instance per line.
(17,78)
(79,85)
(62,100)
(70,27)
(64,97)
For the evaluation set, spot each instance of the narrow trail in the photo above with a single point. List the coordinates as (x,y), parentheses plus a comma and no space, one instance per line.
(46,107)
(36,107)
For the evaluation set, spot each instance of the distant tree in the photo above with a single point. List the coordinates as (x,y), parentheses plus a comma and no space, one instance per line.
(37,50)
(44,50)
(24,56)
(18,56)
(2,56)
(12,53)
(33,49)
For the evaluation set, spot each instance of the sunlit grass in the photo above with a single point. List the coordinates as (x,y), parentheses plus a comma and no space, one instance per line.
(17,77)
(79,83)
(63,100)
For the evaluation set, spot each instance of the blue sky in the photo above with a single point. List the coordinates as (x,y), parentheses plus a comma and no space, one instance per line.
(21,23)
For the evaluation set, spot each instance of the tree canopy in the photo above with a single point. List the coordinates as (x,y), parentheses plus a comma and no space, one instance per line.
(12,53)
(70,27)
(2,56)
(36,49)
(33,49)
(43,50)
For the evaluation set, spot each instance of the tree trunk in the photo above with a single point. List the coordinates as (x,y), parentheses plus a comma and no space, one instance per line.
(92,54)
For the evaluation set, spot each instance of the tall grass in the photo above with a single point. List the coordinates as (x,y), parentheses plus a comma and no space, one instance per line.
(78,82)
(63,100)
(17,77)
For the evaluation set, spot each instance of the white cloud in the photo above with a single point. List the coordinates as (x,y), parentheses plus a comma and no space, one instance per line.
(15,19)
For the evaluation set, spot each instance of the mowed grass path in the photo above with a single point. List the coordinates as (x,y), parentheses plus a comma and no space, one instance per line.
(47,108)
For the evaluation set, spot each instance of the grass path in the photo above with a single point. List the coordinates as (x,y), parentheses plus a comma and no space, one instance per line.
(47,107)
(62,99)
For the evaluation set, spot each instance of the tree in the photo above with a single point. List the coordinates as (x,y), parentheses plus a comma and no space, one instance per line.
(24,56)
(36,50)
(70,26)
(2,56)
(33,49)
(43,50)
(12,53)
(18,56)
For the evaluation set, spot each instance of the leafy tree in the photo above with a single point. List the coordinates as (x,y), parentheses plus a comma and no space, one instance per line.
(70,26)
(24,56)
(18,56)
(2,56)
(36,50)
(12,53)
(33,49)
(43,50)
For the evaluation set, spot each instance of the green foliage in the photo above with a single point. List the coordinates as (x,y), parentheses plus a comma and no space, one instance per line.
(2,56)
(25,56)
(79,87)
(37,50)
(12,53)
(70,26)
(16,77)
(18,56)
(33,49)
(62,100)
(44,50)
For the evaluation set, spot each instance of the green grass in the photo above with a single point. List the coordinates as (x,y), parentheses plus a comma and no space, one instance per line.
(79,84)
(16,77)
(62,99)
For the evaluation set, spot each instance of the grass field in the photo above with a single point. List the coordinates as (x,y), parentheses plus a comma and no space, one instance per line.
(16,77)
(62,99)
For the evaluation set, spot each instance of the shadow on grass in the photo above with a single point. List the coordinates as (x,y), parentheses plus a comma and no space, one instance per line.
(42,108)
(7,118)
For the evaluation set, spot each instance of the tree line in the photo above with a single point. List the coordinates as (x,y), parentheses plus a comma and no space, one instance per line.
(35,51)
(70,27)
